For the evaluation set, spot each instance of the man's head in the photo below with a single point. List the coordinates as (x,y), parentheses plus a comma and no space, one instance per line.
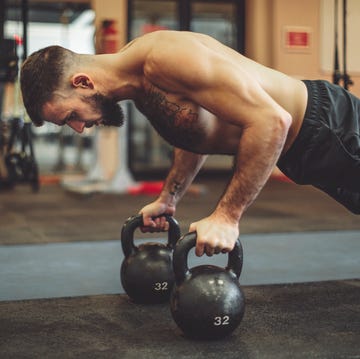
(41,74)
(54,90)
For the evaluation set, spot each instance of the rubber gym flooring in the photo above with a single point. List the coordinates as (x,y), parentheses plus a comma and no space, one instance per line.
(61,297)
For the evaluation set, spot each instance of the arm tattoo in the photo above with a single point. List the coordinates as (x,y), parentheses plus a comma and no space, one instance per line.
(176,188)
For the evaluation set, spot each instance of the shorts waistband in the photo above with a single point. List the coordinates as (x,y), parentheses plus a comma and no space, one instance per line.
(316,90)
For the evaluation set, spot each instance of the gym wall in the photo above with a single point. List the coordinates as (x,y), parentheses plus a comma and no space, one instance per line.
(269,23)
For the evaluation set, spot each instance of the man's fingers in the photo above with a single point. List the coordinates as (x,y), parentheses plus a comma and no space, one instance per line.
(209,251)
(158,224)
(164,224)
(199,250)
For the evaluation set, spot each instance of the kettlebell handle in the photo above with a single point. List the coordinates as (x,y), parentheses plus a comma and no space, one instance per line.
(136,221)
(187,242)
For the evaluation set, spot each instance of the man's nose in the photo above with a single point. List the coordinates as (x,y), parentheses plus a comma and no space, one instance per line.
(77,126)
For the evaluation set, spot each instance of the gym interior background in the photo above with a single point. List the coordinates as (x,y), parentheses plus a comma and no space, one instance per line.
(60,293)
(291,36)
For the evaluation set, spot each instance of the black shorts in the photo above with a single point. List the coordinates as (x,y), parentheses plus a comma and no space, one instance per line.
(326,152)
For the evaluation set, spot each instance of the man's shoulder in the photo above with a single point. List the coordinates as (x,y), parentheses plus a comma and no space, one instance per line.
(158,38)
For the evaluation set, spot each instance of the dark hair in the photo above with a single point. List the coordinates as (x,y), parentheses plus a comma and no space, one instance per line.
(41,74)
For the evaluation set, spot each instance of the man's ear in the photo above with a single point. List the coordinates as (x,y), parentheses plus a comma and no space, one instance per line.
(82,80)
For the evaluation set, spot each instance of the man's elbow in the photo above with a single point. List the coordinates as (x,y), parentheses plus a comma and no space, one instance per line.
(283,123)
(286,120)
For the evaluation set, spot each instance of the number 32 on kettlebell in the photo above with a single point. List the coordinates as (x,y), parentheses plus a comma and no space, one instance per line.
(161,286)
(225,320)
(146,272)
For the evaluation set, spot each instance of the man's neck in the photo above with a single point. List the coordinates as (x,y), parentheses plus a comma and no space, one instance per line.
(115,78)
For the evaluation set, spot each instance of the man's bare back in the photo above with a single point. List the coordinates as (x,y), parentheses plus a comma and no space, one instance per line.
(185,123)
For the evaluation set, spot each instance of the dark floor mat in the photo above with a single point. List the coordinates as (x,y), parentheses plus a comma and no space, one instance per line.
(313,320)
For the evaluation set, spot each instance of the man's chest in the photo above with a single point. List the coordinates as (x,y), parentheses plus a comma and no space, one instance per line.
(175,119)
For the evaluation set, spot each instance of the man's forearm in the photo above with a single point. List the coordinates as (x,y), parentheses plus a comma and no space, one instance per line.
(257,156)
(184,168)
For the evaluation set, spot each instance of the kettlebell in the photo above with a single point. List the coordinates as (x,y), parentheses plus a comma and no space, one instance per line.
(146,272)
(207,301)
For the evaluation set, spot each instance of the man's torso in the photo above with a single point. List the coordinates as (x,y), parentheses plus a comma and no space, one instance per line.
(187,125)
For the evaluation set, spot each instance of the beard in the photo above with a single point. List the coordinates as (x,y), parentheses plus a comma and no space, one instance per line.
(111,112)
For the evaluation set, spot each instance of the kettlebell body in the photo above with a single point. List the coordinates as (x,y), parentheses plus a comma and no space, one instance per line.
(146,272)
(207,301)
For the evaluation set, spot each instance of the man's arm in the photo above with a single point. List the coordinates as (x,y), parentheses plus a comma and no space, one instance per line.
(241,101)
(257,155)
(221,83)
(185,167)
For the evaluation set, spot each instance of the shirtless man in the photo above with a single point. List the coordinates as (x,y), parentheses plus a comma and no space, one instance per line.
(205,98)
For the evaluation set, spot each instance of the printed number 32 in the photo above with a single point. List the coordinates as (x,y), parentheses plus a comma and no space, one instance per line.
(161,286)
(221,320)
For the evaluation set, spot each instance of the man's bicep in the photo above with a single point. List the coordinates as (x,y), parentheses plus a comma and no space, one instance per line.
(230,94)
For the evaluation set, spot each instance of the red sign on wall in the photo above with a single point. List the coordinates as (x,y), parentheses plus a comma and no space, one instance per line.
(297,38)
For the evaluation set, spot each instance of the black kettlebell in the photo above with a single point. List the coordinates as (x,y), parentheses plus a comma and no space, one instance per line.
(207,301)
(146,271)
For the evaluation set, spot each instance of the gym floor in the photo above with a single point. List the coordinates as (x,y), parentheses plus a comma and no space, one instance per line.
(61,297)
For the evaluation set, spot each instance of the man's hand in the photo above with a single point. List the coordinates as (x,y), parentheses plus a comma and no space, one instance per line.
(214,235)
(151,219)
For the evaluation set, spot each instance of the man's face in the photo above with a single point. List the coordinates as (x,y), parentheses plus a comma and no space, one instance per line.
(79,112)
